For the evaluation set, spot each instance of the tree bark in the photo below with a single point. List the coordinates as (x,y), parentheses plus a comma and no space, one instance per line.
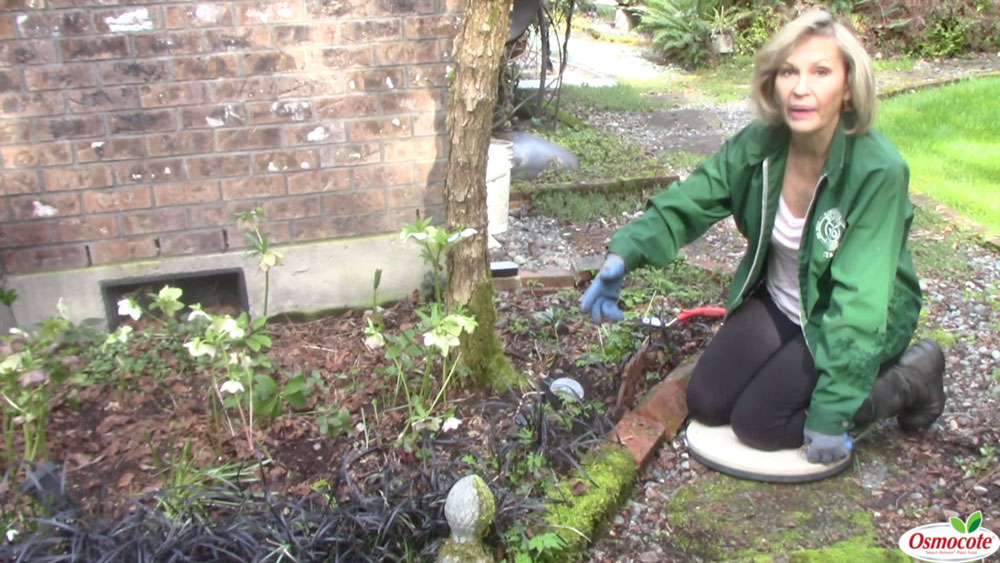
(473,96)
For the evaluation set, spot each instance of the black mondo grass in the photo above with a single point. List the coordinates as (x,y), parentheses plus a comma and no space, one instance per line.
(394,512)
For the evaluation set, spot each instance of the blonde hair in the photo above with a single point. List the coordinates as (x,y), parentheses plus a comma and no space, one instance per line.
(860,75)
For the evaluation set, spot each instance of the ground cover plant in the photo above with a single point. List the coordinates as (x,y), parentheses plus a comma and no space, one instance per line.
(952,153)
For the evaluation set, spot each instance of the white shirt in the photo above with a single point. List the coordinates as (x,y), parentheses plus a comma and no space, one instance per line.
(783,262)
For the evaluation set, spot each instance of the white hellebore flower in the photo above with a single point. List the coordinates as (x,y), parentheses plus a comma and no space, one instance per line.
(121,334)
(197,348)
(231,386)
(232,330)
(129,307)
(442,339)
(450,424)
(11,535)
(464,234)
(197,313)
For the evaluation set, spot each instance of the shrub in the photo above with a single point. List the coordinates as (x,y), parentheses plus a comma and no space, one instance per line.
(680,30)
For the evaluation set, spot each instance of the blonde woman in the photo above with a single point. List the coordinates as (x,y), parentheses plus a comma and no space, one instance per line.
(826,300)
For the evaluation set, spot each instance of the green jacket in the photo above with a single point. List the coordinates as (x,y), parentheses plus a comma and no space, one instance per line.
(859,294)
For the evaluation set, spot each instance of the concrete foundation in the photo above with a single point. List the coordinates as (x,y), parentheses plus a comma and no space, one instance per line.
(312,277)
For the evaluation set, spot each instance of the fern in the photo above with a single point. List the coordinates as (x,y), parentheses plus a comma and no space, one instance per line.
(680,30)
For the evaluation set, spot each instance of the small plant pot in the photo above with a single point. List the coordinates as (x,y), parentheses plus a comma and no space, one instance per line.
(722,42)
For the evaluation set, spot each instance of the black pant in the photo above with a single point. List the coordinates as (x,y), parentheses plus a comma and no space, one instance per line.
(757,375)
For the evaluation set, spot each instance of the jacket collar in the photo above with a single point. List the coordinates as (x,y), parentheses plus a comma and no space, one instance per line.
(774,142)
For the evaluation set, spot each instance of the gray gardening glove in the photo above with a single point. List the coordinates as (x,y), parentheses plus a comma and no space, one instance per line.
(826,448)
(601,298)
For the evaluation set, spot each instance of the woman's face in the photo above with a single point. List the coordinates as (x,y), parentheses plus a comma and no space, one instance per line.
(811,86)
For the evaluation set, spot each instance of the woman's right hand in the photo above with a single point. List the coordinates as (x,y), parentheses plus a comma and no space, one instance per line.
(601,298)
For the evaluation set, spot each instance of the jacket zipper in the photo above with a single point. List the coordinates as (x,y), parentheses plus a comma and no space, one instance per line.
(802,310)
(760,239)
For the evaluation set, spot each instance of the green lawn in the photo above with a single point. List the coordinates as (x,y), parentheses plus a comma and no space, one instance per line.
(950,136)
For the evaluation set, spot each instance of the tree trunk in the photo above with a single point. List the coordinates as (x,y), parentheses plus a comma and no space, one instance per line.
(473,95)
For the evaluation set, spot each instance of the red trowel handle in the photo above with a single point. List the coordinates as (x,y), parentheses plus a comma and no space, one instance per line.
(712,312)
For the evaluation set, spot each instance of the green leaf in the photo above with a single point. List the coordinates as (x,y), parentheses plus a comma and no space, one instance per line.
(253,344)
(958,525)
(974,521)
(258,323)
(264,339)
(264,386)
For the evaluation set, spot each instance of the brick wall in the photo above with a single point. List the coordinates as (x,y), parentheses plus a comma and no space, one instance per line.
(136,131)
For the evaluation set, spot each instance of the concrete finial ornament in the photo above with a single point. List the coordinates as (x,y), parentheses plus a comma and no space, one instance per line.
(469,509)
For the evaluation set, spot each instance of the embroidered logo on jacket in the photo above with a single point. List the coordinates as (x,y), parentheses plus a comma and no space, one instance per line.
(829,230)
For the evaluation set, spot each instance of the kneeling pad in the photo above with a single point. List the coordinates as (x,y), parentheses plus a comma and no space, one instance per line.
(719,448)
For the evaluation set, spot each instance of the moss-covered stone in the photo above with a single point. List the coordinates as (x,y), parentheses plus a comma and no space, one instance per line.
(722,518)
(607,477)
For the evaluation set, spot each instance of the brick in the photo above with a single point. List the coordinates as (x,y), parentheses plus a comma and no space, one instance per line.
(253,187)
(432,171)
(454,5)
(39,206)
(224,115)
(327,9)
(372,80)
(154,221)
(76,178)
(149,171)
(430,123)
(184,94)
(142,121)
(329,132)
(104,99)
(15,183)
(405,197)
(279,111)
(6,27)
(199,15)
(30,156)
(371,31)
(268,11)
(432,26)
(168,43)
(238,39)
(318,228)
(312,34)
(132,19)
(420,148)
(204,68)
(287,161)
(10,82)
(350,154)
(247,139)
(186,142)
(192,242)
(5,216)
(69,128)
(275,61)
(292,208)
(280,233)
(61,77)
(666,403)
(219,215)
(23,234)
(118,199)
(110,149)
(217,166)
(374,223)
(37,103)
(403,7)
(54,24)
(244,89)
(311,84)
(427,76)
(387,128)
(549,278)
(186,194)
(84,228)
(347,57)
(355,203)
(319,181)
(94,48)
(408,52)
(132,72)
(15,130)
(382,175)
(122,250)
(27,52)
(47,259)
(403,102)
(340,107)
(639,435)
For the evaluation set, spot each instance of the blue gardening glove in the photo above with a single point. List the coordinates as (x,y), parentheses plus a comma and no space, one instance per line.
(826,448)
(601,298)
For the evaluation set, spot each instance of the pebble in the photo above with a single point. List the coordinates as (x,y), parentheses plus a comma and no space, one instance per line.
(917,496)
(980,490)
(619,520)
(649,557)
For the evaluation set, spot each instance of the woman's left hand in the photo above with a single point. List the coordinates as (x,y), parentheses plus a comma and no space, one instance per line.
(827,448)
